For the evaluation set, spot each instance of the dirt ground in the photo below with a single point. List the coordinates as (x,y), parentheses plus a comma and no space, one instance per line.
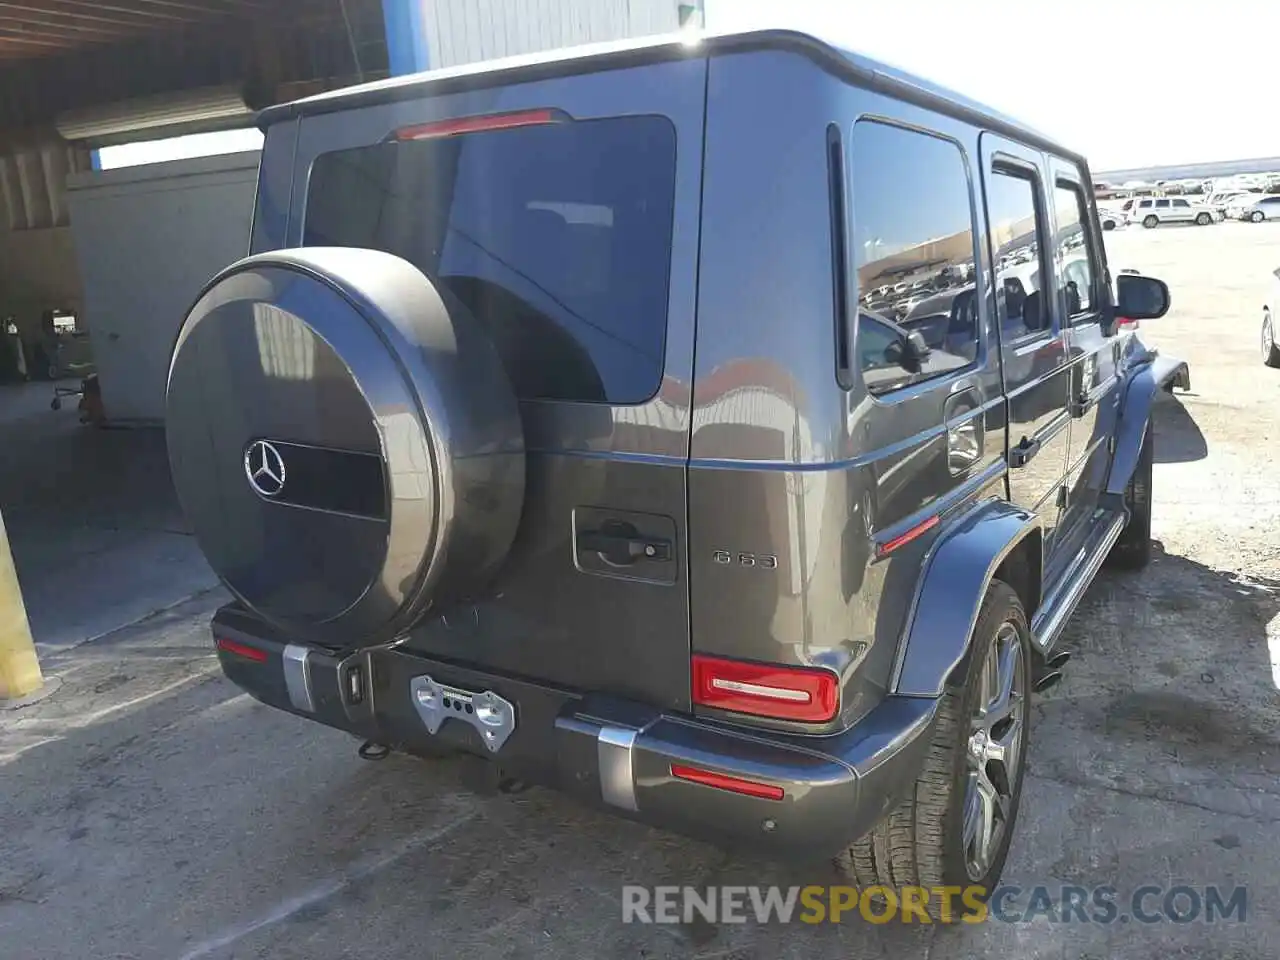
(148,810)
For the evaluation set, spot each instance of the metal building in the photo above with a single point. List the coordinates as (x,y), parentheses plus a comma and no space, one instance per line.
(93,521)
(114,226)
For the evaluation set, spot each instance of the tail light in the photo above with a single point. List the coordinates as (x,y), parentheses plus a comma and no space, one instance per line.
(1126,323)
(807,694)
(458,126)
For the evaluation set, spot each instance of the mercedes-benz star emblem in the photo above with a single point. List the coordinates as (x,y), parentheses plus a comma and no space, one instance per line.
(264,467)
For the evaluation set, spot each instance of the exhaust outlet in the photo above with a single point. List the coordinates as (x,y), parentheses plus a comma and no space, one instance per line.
(1045,682)
(1058,660)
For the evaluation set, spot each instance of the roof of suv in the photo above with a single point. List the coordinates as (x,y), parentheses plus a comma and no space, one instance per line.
(582,59)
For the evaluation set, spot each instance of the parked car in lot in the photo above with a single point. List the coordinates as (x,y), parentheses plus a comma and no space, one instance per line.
(1153,211)
(1219,202)
(1110,219)
(1254,208)
(640,504)
(1270,347)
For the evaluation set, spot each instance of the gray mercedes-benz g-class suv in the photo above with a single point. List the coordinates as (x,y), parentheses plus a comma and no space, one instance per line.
(718,430)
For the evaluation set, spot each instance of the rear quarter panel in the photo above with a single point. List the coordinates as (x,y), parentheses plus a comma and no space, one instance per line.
(784,461)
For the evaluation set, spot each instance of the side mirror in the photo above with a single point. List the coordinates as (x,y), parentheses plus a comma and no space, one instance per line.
(1141,298)
(918,349)
(909,352)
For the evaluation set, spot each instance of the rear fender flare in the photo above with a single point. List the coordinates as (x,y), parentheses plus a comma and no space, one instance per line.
(1135,414)
(955,579)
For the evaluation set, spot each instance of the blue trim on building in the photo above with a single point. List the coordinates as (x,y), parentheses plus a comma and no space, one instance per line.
(406,40)
(94,160)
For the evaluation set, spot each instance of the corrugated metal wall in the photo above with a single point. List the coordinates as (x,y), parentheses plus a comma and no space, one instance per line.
(464,31)
(33,185)
(147,239)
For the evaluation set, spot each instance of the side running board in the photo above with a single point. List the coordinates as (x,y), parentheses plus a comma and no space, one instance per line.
(1058,606)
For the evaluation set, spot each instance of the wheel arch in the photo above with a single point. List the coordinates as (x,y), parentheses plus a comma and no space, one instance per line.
(991,538)
(1162,373)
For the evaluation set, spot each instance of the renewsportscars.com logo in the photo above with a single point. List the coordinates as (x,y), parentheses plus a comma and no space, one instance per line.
(1007,904)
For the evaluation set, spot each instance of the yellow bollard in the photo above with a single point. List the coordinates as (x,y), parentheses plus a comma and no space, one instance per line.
(19,668)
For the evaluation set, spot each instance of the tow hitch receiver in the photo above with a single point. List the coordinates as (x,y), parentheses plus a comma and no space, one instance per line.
(491,716)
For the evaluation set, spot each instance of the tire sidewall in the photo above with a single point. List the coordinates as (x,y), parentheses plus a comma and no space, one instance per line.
(1140,485)
(1006,608)
(1150,221)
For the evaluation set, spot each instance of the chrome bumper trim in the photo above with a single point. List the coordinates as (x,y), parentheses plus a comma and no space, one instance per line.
(297,678)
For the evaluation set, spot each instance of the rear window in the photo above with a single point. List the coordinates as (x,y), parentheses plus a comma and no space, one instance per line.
(557,238)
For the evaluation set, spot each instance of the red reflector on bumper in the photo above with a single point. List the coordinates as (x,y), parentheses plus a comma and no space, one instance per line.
(721,781)
(241,650)
(765,690)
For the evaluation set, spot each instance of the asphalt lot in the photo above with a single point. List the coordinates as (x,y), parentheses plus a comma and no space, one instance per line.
(150,811)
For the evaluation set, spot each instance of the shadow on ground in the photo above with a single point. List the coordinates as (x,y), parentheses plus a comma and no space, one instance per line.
(95,527)
(1179,438)
(158,813)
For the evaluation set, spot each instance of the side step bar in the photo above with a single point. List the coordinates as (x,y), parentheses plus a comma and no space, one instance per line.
(1058,606)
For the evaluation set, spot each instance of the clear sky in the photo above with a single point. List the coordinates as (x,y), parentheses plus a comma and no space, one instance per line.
(1128,83)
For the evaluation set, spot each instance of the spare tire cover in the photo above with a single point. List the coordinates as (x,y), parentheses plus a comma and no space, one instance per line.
(344,441)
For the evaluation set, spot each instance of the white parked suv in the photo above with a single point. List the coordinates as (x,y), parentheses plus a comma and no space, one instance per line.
(1153,211)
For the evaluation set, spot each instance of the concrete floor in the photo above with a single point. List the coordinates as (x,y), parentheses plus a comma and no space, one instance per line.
(96,531)
(148,810)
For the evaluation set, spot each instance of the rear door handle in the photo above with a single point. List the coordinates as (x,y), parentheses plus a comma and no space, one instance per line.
(1021,455)
(623,546)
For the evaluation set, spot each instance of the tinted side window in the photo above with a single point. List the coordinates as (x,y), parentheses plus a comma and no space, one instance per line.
(1180,203)
(556,237)
(1016,224)
(1075,266)
(912,242)
(1161,204)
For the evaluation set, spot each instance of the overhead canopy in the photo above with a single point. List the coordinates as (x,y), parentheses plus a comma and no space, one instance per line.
(63,61)
(35,28)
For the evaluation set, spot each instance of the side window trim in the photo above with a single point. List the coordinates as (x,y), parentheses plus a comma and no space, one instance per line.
(915,383)
(1007,164)
(1097,296)
(841,269)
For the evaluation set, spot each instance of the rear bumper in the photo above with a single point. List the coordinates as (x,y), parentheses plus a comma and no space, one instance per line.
(611,753)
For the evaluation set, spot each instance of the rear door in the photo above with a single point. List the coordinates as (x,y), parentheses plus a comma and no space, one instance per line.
(563,214)
(1033,349)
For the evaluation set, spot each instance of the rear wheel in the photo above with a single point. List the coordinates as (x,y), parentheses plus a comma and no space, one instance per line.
(1108,224)
(955,826)
(1204,219)
(1150,220)
(1270,352)
(1257,216)
(1133,550)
